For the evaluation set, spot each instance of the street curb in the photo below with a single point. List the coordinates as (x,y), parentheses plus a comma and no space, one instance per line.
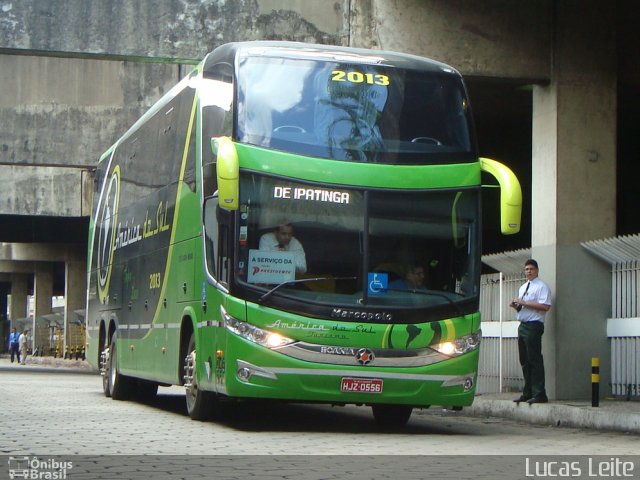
(43,369)
(557,415)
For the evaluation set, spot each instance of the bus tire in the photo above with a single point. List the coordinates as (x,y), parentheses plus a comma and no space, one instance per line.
(391,415)
(199,402)
(120,386)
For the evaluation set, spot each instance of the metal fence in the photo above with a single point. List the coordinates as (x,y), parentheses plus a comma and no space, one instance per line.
(495,292)
(623,254)
(625,366)
(625,289)
(499,368)
(491,376)
(48,336)
(625,349)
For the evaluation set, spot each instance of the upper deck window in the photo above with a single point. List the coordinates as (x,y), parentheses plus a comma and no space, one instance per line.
(353,112)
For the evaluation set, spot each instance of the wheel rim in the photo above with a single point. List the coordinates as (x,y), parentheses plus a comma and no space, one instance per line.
(112,367)
(105,369)
(190,382)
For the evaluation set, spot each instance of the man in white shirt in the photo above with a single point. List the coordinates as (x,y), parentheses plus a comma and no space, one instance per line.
(282,239)
(533,302)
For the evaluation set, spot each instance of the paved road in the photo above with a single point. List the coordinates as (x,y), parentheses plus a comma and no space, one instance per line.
(67,414)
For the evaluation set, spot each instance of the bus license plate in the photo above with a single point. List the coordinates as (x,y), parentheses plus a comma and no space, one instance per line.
(361,385)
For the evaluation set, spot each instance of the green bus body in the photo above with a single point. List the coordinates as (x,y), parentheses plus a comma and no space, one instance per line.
(180,293)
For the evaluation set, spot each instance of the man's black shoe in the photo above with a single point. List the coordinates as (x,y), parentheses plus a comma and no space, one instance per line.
(522,398)
(538,399)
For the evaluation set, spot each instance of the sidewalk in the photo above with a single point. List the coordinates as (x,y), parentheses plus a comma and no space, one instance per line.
(46,364)
(612,414)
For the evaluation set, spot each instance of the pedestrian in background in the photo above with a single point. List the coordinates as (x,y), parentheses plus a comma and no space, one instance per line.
(24,345)
(533,302)
(14,344)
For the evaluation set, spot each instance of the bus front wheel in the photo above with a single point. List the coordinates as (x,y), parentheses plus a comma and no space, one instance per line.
(198,401)
(391,415)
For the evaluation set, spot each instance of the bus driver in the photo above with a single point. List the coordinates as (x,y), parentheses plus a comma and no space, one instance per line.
(282,239)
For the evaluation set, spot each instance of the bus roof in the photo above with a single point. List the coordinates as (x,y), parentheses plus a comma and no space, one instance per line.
(228,53)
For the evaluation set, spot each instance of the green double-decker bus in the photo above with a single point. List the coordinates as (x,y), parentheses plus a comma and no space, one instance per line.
(295,222)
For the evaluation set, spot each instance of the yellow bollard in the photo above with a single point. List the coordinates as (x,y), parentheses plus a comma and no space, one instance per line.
(595,381)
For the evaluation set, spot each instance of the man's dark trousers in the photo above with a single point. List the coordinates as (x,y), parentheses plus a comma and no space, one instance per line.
(14,348)
(530,352)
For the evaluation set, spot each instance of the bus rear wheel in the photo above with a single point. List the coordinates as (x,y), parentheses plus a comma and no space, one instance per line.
(199,402)
(104,370)
(391,415)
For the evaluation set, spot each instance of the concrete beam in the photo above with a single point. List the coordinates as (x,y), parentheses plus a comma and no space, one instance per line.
(492,38)
(52,191)
(41,252)
(62,74)
(51,101)
(10,266)
(59,115)
(165,29)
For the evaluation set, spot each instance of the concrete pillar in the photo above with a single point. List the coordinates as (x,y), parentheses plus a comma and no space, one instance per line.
(42,292)
(18,296)
(574,191)
(75,287)
(4,321)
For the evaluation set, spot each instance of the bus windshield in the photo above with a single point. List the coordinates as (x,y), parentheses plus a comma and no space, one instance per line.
(353,112)
(354,247)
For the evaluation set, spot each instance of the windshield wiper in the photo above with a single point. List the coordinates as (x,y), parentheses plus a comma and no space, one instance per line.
(432,293)
(302,280)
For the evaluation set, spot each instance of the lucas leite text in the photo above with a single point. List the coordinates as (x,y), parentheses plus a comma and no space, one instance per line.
(610,468)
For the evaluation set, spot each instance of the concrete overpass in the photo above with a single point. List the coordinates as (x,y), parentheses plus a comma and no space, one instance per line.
(555,89)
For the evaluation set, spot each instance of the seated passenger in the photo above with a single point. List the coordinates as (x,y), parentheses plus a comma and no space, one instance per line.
(282,239)
(413,279)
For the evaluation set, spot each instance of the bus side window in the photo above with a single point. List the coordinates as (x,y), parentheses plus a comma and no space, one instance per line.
(216,97)
(224,261)
(181,118)
(224,220)
(216,229)
(209,179)
(213,126)
(190,170)
(211,233)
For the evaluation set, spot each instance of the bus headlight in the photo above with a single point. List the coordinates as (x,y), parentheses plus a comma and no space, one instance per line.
(459,346)
(254,334)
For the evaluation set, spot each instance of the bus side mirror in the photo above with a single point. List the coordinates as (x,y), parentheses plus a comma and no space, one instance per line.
(227,171)
(510,195)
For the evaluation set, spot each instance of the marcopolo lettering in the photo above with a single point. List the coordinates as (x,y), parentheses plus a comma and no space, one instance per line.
(361,315)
